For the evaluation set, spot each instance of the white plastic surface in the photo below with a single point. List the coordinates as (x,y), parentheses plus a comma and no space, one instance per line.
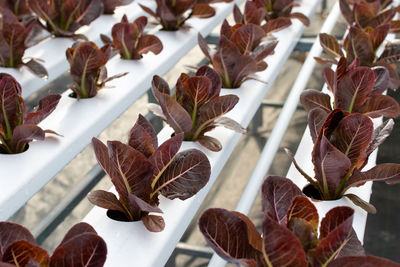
(126,241)
(52,50)
(78,121)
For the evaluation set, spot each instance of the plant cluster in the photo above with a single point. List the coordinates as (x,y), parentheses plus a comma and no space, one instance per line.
(276,15)
(17,126)
(240,53)
(87,68)
(130,41)
(172,14)
(81,246)
(63,18)
(342,132)
(289,233)
(14,37)
(355,89)
(366,35)
(342,147)
(142,170)
(110,5)
(370,14)
(196,107)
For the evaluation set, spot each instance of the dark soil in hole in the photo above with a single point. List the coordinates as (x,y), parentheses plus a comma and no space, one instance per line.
(117,216)
(73,95)
(3,151)
(310,191)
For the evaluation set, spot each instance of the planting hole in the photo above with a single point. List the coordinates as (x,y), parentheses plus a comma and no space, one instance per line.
(310,191)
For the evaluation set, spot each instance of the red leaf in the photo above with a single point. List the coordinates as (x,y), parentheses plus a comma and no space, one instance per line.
(311,98)
(354,88)
(164,155)
(142,137)
(281,246)
(334,234)
(302,208)
(23,252)
(153,223)
(330,45)
(149,43)
(202,11)
(227,234)
(106,200)
(76,230)
(11,232)
(87,249)
(188,172)
(133,169)
(352,137)
(45,108)
(277,194)
(381,105)
(330,165)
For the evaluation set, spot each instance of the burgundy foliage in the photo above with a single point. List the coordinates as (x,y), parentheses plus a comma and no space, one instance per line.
(18,7)
(81,246)
(240,53)
(129,40)
(342,145)
(17,126)
(87,68)
(289,232)
(370,14)
(63,18)
(196,107)
(110,5)
(142,170)
(278,14)
(355,89)
(363,44)
(172,14)
(14,39)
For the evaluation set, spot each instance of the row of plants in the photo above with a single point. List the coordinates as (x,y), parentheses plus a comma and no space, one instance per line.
(344,137)
(242,42)
(142,170)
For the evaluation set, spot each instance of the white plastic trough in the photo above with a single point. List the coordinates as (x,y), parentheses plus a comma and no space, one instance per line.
(131,240)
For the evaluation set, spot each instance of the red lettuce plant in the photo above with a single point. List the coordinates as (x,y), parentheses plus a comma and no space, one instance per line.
(278,14)
(129,40)
(196,107)
(289,233)
(255,13)
(252,14)
(141,171)
(17,127)
(14,37)
(110,5)
(370,14)
(63,18)
(355,89)
(364,45)
(18,7)
(87,68)
(342,145)
(81,246)
(240,53)
(172,14)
